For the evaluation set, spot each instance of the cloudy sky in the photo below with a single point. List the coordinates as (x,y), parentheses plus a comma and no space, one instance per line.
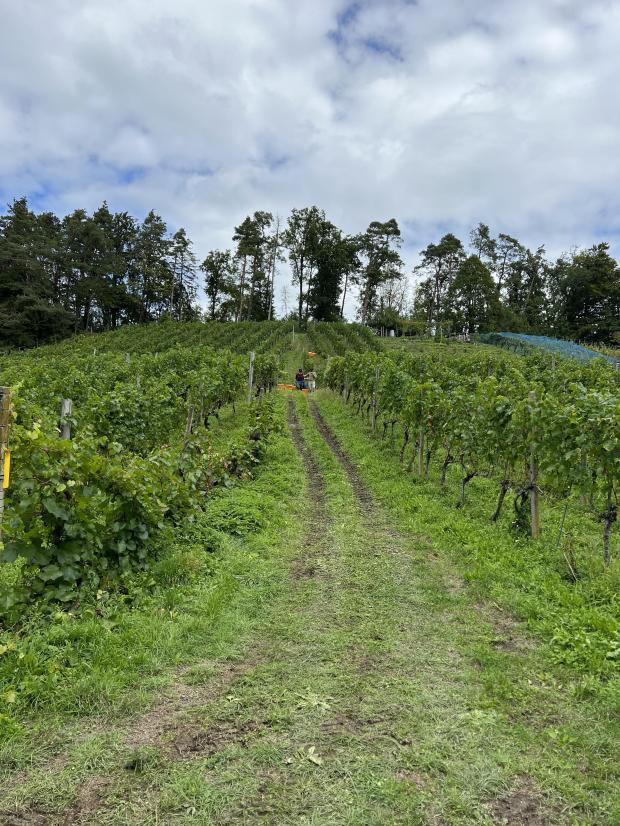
(441,113)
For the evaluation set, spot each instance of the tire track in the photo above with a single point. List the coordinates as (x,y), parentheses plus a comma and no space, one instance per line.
(362,493)
(306,565)
(315,477)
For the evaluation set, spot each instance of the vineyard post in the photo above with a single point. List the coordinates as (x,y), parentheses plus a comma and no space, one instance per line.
(5,413)
(66,408)
(250,376)
(534,484)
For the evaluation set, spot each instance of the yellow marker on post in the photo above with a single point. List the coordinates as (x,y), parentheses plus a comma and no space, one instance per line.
(6,476)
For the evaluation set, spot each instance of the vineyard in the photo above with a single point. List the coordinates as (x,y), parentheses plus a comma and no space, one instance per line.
(219,599)
(81,509)
(533,423)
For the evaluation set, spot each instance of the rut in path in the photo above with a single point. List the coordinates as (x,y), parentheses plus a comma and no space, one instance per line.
(305,565)
(316,484)
(359,488)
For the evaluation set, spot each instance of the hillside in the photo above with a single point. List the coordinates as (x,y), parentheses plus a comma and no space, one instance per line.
(394,600)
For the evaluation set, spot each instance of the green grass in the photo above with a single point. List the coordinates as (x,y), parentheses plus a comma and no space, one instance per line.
(348,675)
(575,713)
(97,666)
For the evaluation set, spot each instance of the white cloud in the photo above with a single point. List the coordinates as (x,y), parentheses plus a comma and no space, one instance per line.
(439,114)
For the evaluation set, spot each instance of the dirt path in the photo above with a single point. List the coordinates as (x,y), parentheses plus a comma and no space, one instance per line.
(354,704)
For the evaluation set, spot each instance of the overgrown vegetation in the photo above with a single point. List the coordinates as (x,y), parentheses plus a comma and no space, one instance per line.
(82,511)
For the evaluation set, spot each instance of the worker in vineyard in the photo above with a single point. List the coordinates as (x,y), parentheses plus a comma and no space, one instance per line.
(311,381)
(300,379)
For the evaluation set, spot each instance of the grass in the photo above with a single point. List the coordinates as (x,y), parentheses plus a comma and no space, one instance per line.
(575,714)
(97,666)
(348,675)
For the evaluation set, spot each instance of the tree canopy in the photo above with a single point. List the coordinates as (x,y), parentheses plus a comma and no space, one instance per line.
(61,275)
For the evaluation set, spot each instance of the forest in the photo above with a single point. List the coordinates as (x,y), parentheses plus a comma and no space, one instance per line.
(62,275)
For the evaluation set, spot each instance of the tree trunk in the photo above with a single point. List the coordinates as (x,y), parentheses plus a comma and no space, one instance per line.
(301,290)
(448,460)
(365,303)
(344,294)
(274,257)
(241,289)
(466,477)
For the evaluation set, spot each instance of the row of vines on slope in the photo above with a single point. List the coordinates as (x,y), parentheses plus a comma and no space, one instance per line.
(338,338)
(492,415)
(80,511)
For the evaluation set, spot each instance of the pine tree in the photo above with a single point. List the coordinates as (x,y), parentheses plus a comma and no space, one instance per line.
(28,315)
(182,269)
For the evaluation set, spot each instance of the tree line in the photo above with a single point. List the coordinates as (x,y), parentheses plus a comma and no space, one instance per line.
(83,272)
(500,284)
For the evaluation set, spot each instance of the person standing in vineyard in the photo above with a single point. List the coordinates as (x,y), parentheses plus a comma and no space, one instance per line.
(311,381)
(300,379)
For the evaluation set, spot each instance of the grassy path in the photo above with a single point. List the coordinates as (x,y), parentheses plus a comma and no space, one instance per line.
(347,683)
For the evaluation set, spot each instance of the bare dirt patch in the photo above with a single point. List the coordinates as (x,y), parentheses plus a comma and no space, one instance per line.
(341,724)
(182,698)
(414,778)
(508,631)
(523,806)
(193,741)
(87,802)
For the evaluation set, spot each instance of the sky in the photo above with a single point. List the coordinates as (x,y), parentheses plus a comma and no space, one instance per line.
(439,114)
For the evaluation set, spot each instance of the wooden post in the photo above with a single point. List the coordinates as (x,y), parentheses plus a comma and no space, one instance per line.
(534,509)
(250,377)
(5,415)
(128,358)
(66,407)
